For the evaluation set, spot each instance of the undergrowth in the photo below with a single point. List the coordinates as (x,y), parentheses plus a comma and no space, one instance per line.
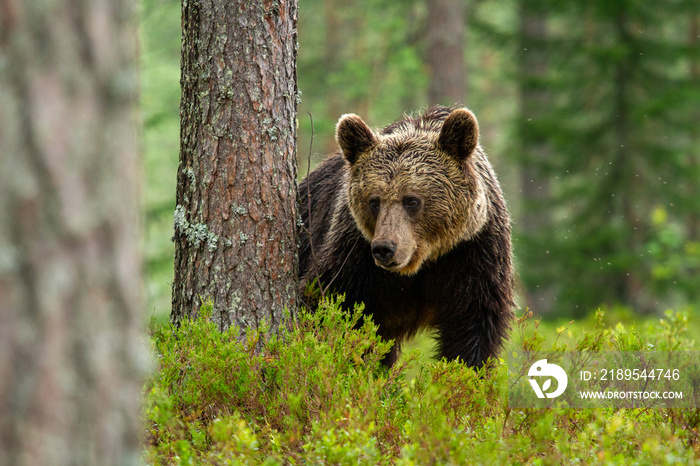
(316,393)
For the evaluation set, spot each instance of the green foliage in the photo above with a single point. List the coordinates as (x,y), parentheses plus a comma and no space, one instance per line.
(316,393)
(675,256)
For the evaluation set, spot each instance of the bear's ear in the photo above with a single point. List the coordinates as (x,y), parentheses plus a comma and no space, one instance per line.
(459,134)
(353,136)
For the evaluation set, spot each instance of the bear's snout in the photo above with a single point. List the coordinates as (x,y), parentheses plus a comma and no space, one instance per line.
(383,251)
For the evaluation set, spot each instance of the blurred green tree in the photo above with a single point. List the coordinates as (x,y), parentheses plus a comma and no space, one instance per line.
(623,133)
(534,149)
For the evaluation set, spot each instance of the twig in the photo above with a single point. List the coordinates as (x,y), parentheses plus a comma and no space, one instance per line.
(308,206)
(340,269)
(314,262)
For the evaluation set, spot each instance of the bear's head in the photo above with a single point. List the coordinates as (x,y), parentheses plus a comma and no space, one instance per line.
(414,188)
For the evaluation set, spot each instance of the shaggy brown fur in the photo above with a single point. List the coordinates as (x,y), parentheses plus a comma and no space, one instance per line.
(411,221)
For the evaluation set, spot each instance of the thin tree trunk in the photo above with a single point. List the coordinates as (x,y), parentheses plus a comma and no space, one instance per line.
(236,215)
(71,343)
(629,286)
(445,53)
(534,105)
(332,55)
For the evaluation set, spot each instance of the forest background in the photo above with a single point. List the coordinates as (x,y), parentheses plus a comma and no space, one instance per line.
(589,112)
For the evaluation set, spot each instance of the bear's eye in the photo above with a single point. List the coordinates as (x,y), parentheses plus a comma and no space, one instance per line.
(411,204)
(374,205)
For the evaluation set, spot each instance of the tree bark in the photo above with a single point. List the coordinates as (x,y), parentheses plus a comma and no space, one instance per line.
(445,52)
(72,353)
(236,215)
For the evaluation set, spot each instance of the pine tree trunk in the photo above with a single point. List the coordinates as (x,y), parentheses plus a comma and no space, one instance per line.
(71,343)
(445,53)
(236,215)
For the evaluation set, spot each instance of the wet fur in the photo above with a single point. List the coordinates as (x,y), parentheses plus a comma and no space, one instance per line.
(463,286)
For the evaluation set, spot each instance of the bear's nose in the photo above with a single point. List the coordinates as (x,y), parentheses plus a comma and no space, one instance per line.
(383,250)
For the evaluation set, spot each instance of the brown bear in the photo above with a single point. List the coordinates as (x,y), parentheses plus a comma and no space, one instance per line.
(410,220)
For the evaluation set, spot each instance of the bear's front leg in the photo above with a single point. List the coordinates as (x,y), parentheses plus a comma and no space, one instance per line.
(392,356)
(472,335)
